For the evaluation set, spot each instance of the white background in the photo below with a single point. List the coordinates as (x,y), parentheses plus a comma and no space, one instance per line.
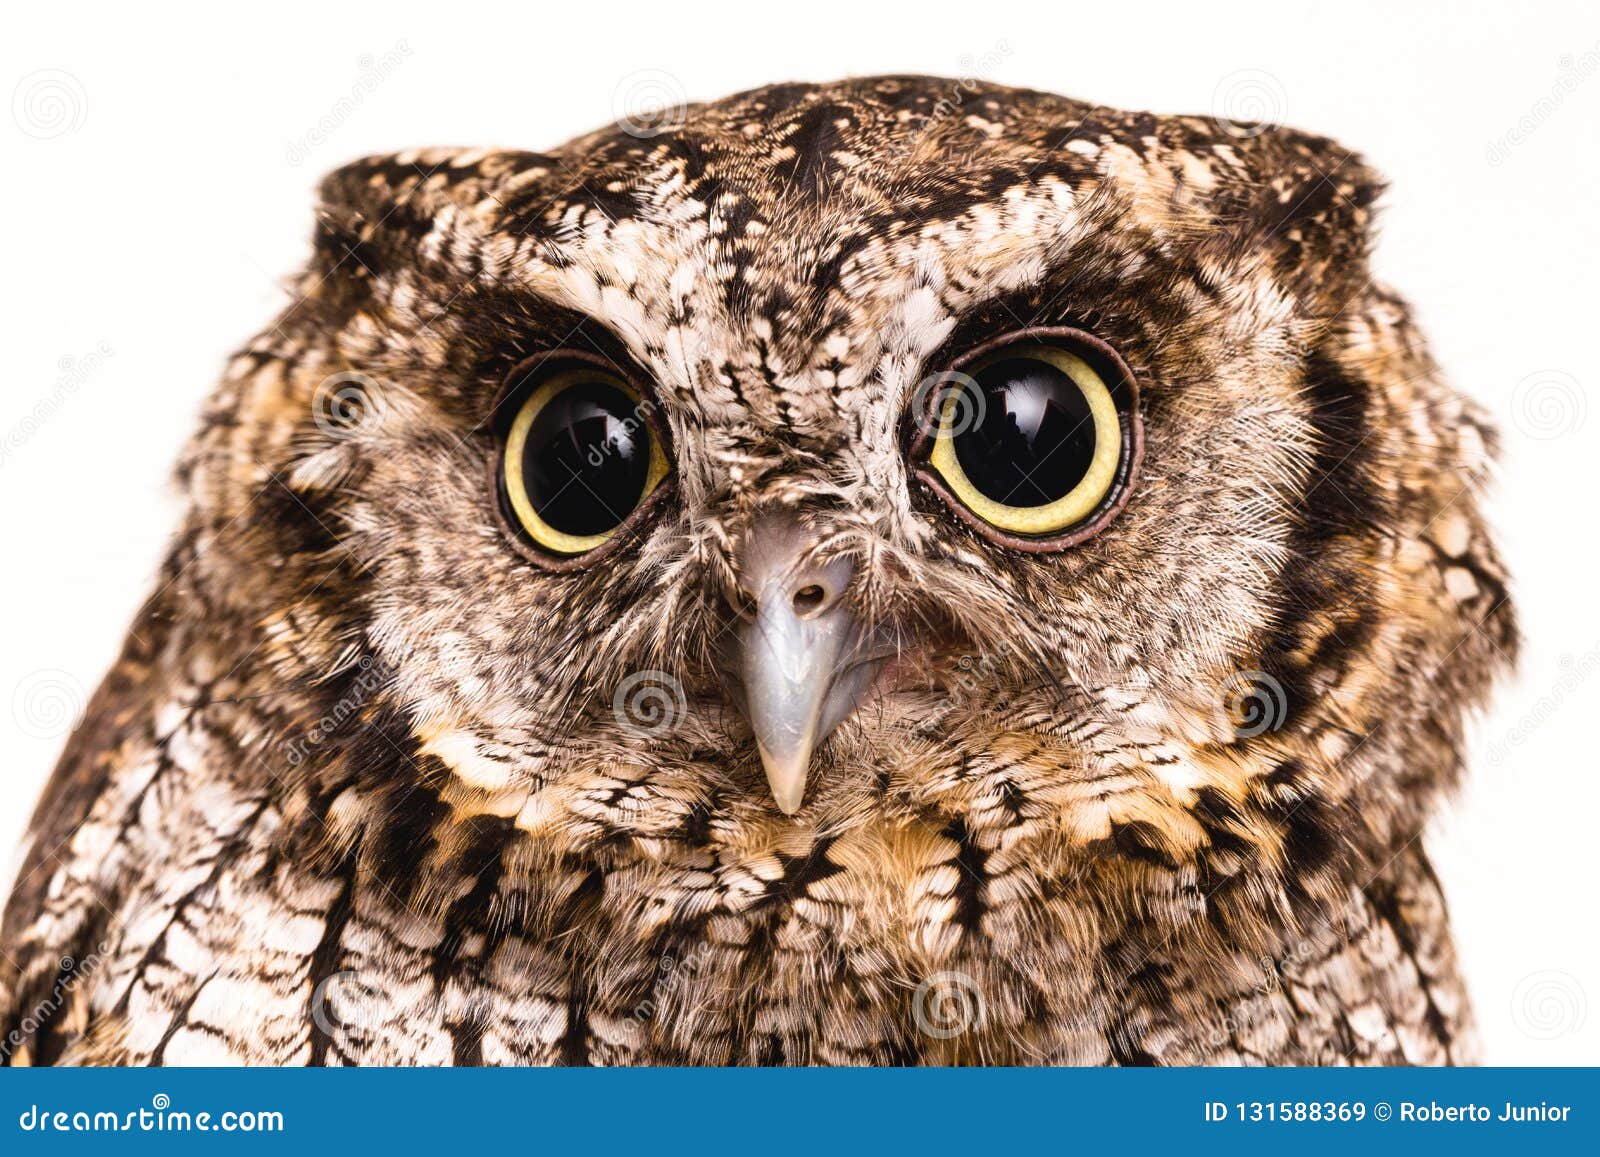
(157,189)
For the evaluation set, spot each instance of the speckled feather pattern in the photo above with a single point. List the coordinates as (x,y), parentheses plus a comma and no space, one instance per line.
(355,740)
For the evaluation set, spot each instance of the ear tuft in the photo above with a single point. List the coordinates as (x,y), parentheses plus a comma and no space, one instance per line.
(1310,205)
(380,209)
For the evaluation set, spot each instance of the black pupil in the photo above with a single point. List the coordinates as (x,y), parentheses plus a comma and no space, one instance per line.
(587,458)
(1030,438)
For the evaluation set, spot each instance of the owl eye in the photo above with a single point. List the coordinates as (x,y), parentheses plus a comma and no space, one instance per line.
(581,456)
(1034,439)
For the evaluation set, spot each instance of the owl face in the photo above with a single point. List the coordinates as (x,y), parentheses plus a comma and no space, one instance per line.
(829,457)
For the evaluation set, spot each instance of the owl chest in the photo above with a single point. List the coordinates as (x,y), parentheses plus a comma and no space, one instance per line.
(881,947)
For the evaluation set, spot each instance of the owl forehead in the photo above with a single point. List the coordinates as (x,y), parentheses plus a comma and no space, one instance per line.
(793,313)
(799,339)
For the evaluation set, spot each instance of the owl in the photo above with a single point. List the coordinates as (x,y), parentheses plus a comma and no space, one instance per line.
(890,572)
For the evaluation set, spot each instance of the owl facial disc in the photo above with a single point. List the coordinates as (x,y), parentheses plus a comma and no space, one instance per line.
(795,654)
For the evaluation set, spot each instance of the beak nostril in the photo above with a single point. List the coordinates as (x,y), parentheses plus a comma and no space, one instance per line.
(790,657)
(809,599)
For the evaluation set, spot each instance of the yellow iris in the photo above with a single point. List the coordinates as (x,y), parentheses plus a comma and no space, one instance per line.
(1078,503)
(542,533)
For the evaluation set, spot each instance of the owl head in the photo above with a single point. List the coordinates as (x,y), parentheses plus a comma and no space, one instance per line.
(897,453)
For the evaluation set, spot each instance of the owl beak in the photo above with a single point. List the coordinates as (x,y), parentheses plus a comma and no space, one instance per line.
(795,654)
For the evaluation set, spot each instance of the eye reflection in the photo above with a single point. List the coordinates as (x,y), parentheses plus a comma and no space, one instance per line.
(580,457)
(1030,442)
(586,459)
(1035,437)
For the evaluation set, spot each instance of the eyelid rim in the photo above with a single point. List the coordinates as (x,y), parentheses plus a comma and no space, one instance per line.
(519,382)
(1112,370)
